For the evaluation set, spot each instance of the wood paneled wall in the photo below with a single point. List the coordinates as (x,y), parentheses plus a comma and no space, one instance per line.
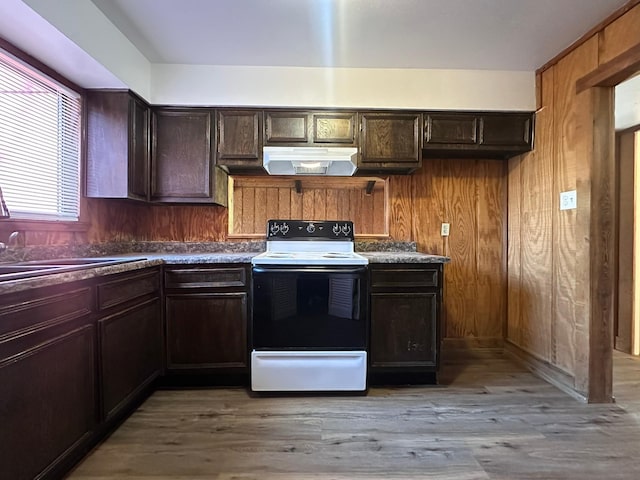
(468,194)
(544,265)
(116,220)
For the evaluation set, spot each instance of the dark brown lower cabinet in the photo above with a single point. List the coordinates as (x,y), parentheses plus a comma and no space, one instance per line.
(206,312)
(130,338)
(131,354)
(48,380)
(74,358)
(405,303)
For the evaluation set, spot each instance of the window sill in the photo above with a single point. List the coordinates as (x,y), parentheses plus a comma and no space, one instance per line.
(44,225)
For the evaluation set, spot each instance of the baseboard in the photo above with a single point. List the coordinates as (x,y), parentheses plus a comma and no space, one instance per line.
(471,347)
(545,370)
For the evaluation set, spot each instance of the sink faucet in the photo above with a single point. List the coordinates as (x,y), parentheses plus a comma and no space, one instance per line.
(16,239)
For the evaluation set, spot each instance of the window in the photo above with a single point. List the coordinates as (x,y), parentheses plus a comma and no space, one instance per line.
(40,132)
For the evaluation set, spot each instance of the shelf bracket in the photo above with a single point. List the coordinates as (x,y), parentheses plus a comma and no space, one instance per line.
(369,187)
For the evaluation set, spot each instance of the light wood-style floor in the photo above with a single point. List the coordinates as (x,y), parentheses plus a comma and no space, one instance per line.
(489,420)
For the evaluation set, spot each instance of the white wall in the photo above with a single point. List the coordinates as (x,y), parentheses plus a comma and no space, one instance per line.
(628,103)
(343,87)
(86,26)
(118,63)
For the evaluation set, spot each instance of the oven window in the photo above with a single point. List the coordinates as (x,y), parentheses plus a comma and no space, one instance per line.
(309,311)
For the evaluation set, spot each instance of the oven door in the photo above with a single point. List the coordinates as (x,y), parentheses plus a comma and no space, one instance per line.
(309,329)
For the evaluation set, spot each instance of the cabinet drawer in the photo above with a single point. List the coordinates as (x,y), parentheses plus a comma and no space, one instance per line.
(205,277)
(129,287)
(29,309)
(404,277)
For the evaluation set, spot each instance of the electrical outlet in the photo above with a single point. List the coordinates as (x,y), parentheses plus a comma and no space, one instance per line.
(568,200)
(444,230)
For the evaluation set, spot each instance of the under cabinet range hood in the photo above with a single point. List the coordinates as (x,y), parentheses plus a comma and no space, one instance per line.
(310,160)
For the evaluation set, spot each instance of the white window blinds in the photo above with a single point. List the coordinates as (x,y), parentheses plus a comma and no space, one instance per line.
(40,131)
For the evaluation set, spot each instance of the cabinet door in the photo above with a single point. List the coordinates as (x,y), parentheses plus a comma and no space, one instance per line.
(403,329)
(48,403)
(182,156)
(139,148)
(286,127)
(206,330)
(130,352)
(477,135)
(507,130)
(117,163)
(451,129)
(334,128)
(391,142)
(239,139)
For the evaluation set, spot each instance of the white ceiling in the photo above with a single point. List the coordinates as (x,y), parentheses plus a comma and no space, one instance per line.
(431,34)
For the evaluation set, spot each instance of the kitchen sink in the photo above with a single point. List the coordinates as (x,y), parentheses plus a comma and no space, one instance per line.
(9,269)
(93,262)
(34,268)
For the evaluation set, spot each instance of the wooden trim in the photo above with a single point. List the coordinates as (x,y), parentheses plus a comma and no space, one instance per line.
(635,309)
(603,242)
(613,72)
(598,28)
(596,273)
(544,370)
(472,343)
(632,129)
(44,225)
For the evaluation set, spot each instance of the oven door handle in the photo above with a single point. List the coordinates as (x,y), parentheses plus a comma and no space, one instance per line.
(311,269)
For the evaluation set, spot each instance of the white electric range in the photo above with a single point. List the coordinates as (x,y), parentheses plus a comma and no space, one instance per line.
(309,317)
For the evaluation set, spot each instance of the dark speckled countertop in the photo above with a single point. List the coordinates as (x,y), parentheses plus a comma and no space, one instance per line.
(147,254)
(404,257)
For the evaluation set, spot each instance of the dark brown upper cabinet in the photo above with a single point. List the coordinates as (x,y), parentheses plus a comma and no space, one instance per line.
(240,140)
(334,128)
(182,160)
(443,129)
(507,130)
(390,143)
(475,134)
(319,128)
(117,145)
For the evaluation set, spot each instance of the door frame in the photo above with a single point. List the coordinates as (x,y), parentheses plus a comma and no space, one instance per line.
(596,270)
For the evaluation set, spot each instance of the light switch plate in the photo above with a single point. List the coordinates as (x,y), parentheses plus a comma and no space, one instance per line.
(444,231)
(568,200)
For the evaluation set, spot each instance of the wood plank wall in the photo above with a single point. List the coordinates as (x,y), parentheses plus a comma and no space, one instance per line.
(542,261)
(113,220)
(471,195)
(258,199)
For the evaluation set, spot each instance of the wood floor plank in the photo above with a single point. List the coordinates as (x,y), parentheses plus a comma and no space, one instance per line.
(489,420)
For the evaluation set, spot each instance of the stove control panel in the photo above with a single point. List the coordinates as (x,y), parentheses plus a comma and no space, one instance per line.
(341,230)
